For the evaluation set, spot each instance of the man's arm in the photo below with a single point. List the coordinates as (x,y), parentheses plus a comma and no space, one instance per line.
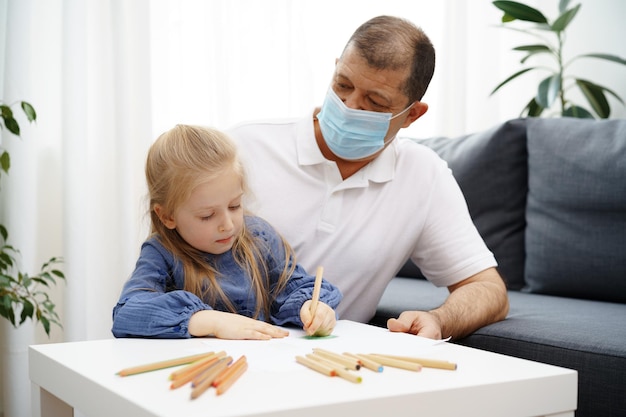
(473,303)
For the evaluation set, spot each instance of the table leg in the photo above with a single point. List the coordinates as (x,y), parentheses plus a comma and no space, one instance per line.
(52,406)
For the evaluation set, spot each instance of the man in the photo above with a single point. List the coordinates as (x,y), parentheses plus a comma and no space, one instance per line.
(349,196)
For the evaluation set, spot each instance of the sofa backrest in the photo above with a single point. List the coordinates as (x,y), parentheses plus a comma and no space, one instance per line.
(576,213)
(491,170)
(549,198)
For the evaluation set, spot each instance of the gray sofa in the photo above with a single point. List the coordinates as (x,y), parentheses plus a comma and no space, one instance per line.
(549,198)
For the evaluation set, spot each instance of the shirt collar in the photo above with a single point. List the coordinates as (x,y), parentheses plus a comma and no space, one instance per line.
(379,170)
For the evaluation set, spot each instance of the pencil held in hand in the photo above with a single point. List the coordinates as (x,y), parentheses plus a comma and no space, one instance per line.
(316,290)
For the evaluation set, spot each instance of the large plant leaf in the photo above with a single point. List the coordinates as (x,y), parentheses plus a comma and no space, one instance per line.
(563,4)
(562,21)
(548,91)
(517,74)
(577,111)
(533,109)
(608,57)
(595,96)
(520,11)
(533,50)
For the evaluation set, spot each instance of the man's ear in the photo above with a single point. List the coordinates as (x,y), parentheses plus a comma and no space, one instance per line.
(417,111)
(167,220)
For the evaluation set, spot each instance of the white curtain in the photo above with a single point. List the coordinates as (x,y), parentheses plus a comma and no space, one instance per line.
(107,76)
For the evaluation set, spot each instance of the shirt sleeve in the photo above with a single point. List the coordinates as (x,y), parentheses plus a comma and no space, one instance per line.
(286,306)
(152,302)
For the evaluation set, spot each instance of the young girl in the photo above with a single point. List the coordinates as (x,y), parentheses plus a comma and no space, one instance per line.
(208,268)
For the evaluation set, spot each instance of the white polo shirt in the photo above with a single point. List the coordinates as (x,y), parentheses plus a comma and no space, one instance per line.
(404,204)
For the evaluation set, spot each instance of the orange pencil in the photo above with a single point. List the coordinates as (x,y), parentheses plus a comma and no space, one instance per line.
(230,380)
(206,379)
(195,365)
(226,373)
(182,379)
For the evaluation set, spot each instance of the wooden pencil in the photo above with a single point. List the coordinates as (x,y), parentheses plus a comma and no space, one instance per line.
(316,366)
(155,366)
(228,382)
(316,290)
(350,363)
(339,368)
(226,373)
(195,365)
(394,363)
(208,377)
(182,379)
(428,363)
(366,363)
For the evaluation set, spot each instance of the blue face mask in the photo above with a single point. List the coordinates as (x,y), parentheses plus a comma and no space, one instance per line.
(352,134)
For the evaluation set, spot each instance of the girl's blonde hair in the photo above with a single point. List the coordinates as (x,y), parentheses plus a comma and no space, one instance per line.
(180,160)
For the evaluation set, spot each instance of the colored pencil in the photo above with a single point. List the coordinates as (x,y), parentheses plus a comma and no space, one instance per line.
(195,365)
(366,363)
(184,378)
(316,366)
(209,376)
(226,373)
(155,366)
(428,363)
(339,368)
(316,290)
(394,363)
(231,378)
(350,363)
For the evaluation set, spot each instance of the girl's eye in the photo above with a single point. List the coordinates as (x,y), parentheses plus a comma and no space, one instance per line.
(234,208)
(206,218)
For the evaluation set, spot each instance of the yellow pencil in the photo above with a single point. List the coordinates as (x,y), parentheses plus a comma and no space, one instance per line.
(316,366)
(394,363)
(350,363)
(162,364)
(428,363)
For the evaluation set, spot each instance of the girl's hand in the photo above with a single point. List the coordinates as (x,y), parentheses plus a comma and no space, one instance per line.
(322,324)
(225,325)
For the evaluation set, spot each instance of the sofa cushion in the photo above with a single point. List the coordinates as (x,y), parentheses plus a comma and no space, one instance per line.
(576,213)
(584,335)
(491,170)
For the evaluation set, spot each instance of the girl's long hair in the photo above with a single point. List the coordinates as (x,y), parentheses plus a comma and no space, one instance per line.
(178,161)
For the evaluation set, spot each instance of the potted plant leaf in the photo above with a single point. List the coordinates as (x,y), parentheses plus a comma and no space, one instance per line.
(23,295)
(551,91)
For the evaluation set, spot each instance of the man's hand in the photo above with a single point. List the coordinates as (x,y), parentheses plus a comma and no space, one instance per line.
(420,323)
(473,303)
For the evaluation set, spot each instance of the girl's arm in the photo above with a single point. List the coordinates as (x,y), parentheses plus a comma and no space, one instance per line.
(287,306)
(152,302)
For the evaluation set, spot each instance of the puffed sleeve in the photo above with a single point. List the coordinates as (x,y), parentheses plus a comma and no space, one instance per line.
(152,302)
(299,288)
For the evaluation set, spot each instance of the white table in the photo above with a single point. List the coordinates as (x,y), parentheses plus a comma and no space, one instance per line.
(81,375)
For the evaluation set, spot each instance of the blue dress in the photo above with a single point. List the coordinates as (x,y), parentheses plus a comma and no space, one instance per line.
(154,304)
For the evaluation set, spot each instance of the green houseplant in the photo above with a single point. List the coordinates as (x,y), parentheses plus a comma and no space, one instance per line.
(551,91)
(20,293)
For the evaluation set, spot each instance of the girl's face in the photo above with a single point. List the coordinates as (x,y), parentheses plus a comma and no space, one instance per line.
(212,217)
